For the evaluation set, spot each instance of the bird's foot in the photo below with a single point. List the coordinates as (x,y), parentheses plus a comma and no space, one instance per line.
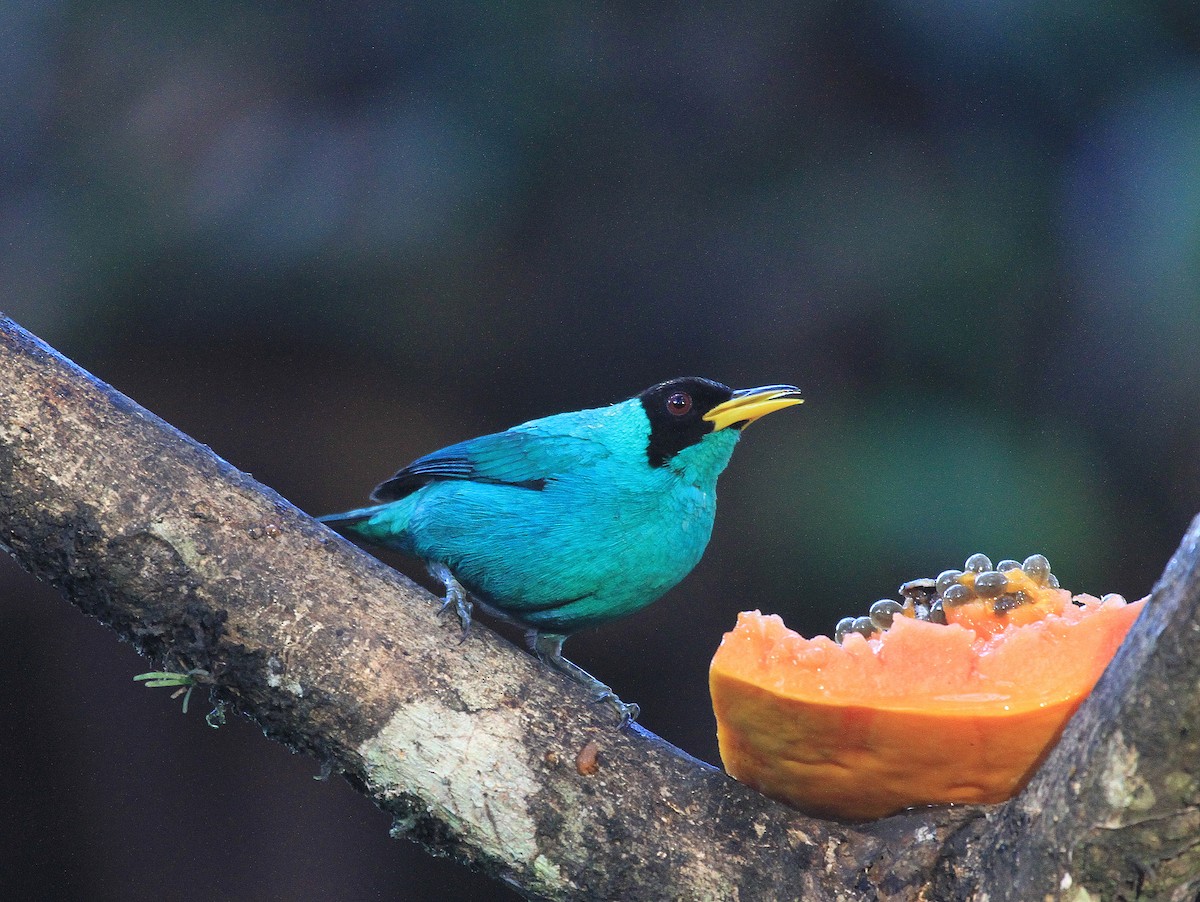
(626,712)
(548,648)
(456,595)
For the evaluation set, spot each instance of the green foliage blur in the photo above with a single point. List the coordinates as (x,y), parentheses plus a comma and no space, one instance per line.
(326,238)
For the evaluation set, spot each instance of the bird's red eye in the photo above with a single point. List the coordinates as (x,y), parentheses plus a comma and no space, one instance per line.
(679,403)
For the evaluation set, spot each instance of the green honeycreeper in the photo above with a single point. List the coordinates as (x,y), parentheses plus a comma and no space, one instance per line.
(572,520)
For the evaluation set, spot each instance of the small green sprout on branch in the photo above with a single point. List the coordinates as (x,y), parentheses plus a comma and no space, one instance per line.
(184,683)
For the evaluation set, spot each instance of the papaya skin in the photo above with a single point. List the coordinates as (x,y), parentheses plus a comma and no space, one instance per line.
(921,714)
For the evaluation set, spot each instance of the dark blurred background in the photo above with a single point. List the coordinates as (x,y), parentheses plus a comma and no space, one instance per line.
(325,238)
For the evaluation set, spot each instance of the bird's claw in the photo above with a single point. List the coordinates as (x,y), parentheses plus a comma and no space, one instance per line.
(462,608)
(628,712)
(456,595)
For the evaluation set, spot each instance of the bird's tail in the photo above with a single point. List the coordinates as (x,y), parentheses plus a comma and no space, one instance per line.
(349,519)
(382,524)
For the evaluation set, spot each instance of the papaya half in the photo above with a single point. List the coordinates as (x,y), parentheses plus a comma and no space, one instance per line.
(955,694)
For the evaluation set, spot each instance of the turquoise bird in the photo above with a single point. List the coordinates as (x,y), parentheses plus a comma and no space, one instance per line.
(570,521)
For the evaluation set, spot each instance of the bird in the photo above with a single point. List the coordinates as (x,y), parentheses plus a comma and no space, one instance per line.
(569,521)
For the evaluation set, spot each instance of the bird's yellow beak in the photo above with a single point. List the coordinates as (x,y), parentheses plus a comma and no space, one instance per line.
(748,404)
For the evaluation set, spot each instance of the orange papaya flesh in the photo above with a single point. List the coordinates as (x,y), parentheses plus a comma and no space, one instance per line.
(919,713)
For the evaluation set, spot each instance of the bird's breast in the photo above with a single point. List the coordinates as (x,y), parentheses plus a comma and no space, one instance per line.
(652,529)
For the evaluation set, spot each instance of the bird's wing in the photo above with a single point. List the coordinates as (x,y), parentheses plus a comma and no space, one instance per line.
(521,457)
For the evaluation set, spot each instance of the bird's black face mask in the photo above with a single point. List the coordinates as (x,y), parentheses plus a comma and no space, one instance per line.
(676,410)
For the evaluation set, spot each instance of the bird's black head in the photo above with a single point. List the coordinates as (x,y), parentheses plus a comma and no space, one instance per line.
(676,412)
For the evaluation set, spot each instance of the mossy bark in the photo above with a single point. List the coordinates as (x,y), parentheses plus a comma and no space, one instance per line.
(482,754)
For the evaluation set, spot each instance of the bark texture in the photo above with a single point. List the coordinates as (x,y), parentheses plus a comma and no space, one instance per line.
(480,753)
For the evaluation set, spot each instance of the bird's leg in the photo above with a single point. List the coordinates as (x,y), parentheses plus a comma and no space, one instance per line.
(455,595)
(548,648)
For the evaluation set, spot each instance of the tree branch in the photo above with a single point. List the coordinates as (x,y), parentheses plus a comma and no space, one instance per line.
(482,754)
(1116,808)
